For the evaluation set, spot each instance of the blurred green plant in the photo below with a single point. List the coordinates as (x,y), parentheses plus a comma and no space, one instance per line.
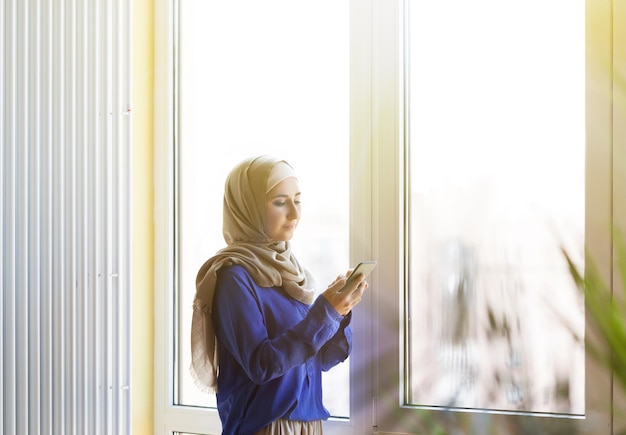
(605,306)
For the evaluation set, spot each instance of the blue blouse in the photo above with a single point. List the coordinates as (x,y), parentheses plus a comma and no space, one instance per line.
(272,350)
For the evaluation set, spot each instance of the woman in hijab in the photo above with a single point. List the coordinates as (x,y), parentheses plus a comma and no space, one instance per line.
(261,333)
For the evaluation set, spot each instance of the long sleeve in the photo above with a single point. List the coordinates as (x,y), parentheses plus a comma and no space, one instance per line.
(339,347)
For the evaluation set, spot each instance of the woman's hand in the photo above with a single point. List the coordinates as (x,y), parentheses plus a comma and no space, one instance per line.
(344,301)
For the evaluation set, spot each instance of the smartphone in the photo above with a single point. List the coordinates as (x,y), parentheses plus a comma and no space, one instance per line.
(364,268)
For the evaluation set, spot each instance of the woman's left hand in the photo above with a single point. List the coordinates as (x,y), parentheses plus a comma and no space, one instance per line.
(343,301)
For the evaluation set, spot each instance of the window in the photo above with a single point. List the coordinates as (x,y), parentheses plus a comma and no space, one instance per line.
(277,95)
(394,167)
(490,296)
(259,78)
(436,127)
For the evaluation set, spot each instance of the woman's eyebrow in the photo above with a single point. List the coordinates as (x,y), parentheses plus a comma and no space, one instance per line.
(284,195)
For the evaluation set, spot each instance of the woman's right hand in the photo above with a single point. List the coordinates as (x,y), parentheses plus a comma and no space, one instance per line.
(344,301)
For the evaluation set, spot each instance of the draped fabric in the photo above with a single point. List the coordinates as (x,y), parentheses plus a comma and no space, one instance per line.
(270,262)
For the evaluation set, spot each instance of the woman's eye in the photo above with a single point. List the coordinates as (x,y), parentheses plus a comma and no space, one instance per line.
(284,203)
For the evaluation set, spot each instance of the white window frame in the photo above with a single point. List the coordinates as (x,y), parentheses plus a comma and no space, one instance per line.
(376,149)
(606,190)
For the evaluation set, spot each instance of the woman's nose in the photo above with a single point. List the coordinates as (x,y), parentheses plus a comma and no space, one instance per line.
(294,212)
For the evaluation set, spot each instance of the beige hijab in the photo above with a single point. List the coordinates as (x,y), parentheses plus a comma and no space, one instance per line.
(269,262)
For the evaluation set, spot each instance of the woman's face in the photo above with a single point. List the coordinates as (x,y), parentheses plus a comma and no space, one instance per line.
(282,211)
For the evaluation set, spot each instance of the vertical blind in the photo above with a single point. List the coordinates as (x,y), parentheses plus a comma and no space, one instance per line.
(65,244)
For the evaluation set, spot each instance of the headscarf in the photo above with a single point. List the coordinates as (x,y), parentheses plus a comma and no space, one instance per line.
(269,262)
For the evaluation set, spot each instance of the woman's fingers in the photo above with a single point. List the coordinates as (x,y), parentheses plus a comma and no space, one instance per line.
(343,301)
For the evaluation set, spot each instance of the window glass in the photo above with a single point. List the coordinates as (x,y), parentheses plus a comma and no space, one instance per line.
(271,78)
(497,181)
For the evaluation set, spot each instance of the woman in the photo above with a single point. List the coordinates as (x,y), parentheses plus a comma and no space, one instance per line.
(261,336)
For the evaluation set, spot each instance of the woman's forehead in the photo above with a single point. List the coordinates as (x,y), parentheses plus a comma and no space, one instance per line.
(286,187)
